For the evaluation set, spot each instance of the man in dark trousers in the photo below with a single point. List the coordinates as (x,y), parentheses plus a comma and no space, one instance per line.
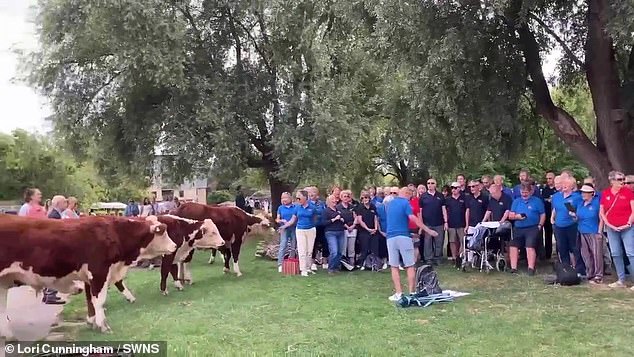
(547,192)
(240,201)
(58,205)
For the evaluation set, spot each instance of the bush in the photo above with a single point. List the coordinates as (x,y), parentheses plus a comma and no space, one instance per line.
(219,197)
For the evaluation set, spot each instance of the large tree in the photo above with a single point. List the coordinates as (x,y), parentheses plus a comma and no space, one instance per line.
(220,85)
(475,60)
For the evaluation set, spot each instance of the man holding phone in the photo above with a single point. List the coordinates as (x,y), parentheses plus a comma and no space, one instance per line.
(529,215)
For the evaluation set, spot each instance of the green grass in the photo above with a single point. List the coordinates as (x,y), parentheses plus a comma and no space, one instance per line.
(263,313)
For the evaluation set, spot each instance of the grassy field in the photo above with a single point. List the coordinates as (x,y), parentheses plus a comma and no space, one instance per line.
(263,313)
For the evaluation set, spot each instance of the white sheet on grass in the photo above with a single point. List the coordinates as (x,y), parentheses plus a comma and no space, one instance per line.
(455,294)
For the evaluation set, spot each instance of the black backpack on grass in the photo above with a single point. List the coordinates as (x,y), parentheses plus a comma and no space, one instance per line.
(565,275)
(427,281)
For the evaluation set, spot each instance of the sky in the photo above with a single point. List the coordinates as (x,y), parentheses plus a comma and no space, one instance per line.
(20,106)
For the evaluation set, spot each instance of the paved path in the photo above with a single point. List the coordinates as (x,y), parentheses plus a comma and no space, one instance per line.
(29,318)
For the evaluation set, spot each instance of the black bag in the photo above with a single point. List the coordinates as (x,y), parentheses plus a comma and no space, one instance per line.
(427,281)
(565,274)
(372,262)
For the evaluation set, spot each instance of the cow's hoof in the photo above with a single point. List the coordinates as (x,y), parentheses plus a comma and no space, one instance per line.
(178,285)
(188,281)
(238,274)
(90,321)
(211,260)
(225,270)
(131,300)
(164,292)
(105,328)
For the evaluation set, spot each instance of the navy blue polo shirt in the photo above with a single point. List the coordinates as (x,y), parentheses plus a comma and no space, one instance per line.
(477,208)
(456,209)
(532,208)
(588,216)
(431,205)
(507,191)
(547,195)
(562,218)
(286,212)
(329,215)
(398,212)
(346,213)
(305,216)
(367,215)
(498,207)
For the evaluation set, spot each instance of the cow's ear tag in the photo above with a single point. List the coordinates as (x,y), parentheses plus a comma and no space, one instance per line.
(157,229)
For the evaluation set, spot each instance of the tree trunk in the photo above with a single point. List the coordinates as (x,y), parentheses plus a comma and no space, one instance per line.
(614,132)
(277,188)
(564,125)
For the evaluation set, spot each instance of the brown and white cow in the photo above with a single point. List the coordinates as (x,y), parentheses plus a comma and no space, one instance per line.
(56,253)
(188,235)
(232,223)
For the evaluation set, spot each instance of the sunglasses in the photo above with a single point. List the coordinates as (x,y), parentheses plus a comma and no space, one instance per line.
(620,179)
(393,193)
(431,183)
(629,182)
(455,188)
(365,198)
(472,186)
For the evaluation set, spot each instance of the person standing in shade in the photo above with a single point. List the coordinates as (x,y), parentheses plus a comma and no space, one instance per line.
(285,213)
(456,219)
(321,245)
(334,231)
(304,218)
(71,208)
(399,243)
(529,216)
(617,212)
(547,192)
(241,202)
(499,180)
(590,229)
(476,204)
(462,183)
(380,195)
(486,182)
(523,177)
(368,223)
(565,226)
(499,205)
(347,210)
(434,216)
(58,205)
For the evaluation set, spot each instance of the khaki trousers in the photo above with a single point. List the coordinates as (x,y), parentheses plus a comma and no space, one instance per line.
(305,242)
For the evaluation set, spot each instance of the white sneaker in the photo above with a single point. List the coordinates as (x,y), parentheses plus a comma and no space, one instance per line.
(632,288)
(400,268)
(395,297)
(324,266)
(313,267)
(384,266)
(304,273)
(279,269)
(362,268)
(617,284)
(313,272)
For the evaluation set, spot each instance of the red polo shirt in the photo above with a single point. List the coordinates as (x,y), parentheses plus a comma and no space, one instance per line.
(617,206)
(414,202)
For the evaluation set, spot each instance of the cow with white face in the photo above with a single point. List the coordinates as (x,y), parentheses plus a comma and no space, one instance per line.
(188,235)
(94,250)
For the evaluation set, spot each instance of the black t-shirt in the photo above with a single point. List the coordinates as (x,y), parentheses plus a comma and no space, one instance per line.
(547,193)
(431,205)
(332,226)
(456,208)
(346,213)
(477,207)
(367,215)
(498,207)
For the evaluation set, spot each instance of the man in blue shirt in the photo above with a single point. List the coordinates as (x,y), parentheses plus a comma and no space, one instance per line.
(564,225)
(321,245)
(529,216)
(499,180)
(399,242)
(434,214)
(285,213)
(380,195)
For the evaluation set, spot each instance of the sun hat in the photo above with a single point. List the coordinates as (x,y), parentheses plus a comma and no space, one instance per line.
(587,189)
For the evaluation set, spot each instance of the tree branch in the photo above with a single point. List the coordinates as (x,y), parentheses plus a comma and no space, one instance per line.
(94,95)
(559,40)
(266,62)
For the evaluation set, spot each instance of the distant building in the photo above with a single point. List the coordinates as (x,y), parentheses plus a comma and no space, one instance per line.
(194,190)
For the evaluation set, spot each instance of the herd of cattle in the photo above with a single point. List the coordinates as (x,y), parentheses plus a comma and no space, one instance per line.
(92,253)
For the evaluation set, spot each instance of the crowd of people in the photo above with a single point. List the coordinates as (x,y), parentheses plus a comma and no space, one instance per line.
(150,207)
(59,207)
(400,226)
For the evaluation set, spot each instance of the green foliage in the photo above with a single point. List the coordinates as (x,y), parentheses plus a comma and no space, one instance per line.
(219,197)
(28,160)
